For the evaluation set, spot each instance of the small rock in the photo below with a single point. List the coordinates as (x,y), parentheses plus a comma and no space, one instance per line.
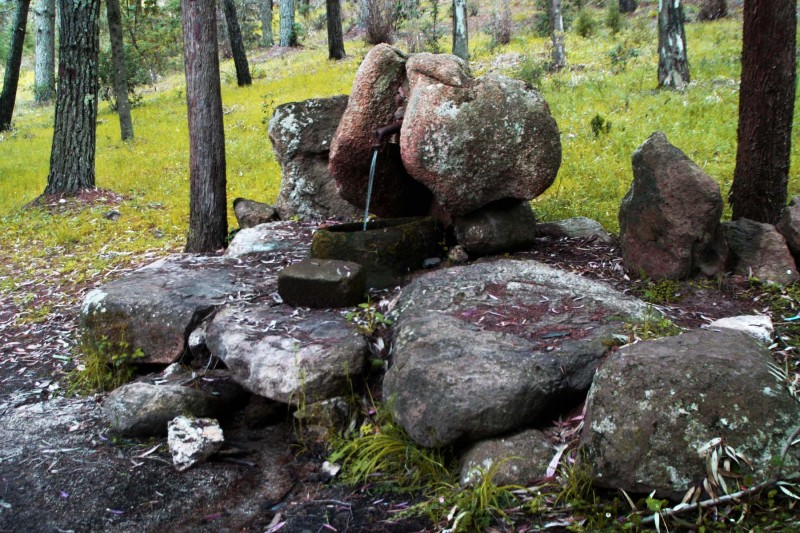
(515,460)
(759,250)
(457,255)
(113,215)
(496,228)
(331,469)
(789,226)
(431,262)
(574,228)
(193,440)
(322,283)
(250,214)
(757,326)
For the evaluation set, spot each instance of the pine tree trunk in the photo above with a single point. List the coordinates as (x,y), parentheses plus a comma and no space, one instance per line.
(120,72)
(44,85)
(74,134)
(460,30)
(9,95)
(673,66)
(557,35)
(237,44)
(287,37)
(335,38)
(208,218)
(267,39)
(627,6)
(766,105)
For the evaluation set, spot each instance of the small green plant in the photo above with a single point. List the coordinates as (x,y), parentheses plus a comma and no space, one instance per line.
(613,18)
(600,125)
(367,318)
(664,291)
(654,325)
(530,70)
(106,365)
(584,24)
(620,55)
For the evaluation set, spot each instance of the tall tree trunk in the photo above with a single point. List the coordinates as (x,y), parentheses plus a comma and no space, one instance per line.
(208,218)
(333,11)
(627,6)
(673,66)
(287,37)
(223,42)
(44,84)
(363,13)
(766,105)
(460,30)
(9,95)
(74,134)
(237,44)
(120,72)
(267,39)
(557,34)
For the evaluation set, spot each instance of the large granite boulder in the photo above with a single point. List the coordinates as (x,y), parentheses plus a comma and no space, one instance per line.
(669,219)
(297,357)
(474,141)
(486,348)
(372,105)
(760,251)
(301,134)
(654,406)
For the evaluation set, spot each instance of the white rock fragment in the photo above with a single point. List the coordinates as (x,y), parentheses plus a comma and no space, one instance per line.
(757,326)
(193,440)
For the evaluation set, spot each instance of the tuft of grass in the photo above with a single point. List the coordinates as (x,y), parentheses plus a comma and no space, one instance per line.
(106,366)
(663,291)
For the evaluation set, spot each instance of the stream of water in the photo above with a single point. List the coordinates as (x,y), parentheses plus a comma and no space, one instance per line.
(369,187)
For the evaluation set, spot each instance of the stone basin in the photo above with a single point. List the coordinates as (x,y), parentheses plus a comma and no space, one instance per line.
(387,250)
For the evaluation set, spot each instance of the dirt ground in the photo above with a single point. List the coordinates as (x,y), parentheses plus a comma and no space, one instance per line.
(61,469)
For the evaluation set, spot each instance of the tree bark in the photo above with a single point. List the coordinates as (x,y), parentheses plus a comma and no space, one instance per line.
(120,72)
(44,85)
(557,35)
(267,39)
(74,134)
(766,106)
(627,6)
(9,95)
(460,30)
(288,36)
(223,40)
(673,66)
(333,9)
(237,44)
(208,218)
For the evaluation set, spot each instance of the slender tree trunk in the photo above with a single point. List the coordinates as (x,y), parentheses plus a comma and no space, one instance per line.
(208,218)
(460,30)
(333,10)
(74,134)
(223,42)
(766,105)
(44,85)
(267,39)
(237,44)
(288,37)
(627,6)
(9,95)
(363,13)
(557,35)
(673,66)
(120,72)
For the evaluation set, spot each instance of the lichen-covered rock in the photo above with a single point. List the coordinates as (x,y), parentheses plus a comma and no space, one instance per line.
(655,405)
(301,135)
(322,283)
(514,460)
(250,213)
(193,440)
(499,227)
(760,251)
(574,228)
(669,219)
(372,105)
(475,141)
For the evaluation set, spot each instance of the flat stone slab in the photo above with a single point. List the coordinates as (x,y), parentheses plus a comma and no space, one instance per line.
(290,357)
(285,237)
(322,283)
(484,349)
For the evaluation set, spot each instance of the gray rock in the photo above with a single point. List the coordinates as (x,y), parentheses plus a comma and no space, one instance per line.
(496,228)
(574,228)
(286,238)
(298,357)
(514,460)
(457,255)
(757,326)
(250,213)
(193,440)
(322,283)
(143,410)
(669,219)
(301,134)
(483,349)
(760,251)
(654,405)
(789,226)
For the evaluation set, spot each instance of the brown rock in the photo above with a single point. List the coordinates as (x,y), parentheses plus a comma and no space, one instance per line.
(759,250)
(250,213)
(789,226)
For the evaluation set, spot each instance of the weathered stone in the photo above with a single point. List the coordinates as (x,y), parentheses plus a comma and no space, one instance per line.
(143,410)
(514,460)
(457,255)
(290,239)
(322,283)
(574,228)
(193,440)
(483,349)
(760,251)
(654,405)
(250,213)
(288,357)
(757,326)
(475,141)
(669,219)
(789,226)
(499,227)
(301,135)
(372,105)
